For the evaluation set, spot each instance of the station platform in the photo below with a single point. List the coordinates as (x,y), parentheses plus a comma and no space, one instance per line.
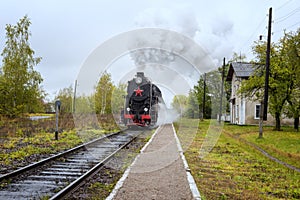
(160,171)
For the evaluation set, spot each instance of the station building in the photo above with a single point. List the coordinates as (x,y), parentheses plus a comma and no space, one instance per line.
(244,110)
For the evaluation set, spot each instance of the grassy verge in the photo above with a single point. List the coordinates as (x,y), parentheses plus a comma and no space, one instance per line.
(235,170)
(19,151)
(284,145)
(23,141)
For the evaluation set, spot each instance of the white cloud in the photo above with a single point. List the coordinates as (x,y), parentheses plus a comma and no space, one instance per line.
(177,18)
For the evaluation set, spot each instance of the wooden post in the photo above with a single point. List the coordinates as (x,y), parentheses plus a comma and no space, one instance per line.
(222,85)
(57,108)
(261,120)
(74,97)
(203,103)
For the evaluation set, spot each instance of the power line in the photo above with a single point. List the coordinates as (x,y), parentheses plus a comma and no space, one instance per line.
(283,5)
(283,18)
(293,25)
(286,28)
(254,32)
(278,20)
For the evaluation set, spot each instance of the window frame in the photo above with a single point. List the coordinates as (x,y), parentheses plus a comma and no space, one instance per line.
(237,113)
(255,111)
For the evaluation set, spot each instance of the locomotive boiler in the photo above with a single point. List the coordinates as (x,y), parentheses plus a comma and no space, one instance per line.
(141,102)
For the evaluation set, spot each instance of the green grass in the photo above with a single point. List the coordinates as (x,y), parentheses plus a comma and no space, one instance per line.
(40,114)
(284,145)
(100,189)
(20,148)
(24,140)
(235,170)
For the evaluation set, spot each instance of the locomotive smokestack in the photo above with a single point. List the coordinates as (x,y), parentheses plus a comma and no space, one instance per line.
(140,74)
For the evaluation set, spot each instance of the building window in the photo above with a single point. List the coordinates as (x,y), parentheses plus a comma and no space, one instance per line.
(257,111)
(237,111)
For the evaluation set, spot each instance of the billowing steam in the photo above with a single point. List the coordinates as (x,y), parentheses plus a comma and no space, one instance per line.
(177,19)
(213,34)
(143,56)
(165,115)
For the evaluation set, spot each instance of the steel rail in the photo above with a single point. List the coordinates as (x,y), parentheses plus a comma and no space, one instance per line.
(46,160)
(78,182)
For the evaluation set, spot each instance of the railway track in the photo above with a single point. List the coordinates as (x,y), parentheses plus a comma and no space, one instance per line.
(57,176)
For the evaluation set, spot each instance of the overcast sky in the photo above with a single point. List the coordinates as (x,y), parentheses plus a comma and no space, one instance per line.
(65,32)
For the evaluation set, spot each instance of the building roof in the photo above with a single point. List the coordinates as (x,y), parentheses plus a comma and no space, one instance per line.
(242,70)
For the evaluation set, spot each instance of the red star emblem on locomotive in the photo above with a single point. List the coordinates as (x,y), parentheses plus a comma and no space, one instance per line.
(138,92)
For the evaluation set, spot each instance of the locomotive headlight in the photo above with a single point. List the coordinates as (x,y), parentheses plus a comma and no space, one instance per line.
(128,109)
(145,109)
(138,80)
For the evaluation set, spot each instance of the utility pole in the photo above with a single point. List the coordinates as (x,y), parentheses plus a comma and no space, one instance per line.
(264,104)
(222,85)
(203,103)
(266,96)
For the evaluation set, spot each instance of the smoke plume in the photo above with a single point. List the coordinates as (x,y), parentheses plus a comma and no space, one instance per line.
(213,34)
(165,115)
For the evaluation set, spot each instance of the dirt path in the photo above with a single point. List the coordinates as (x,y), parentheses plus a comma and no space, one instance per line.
(265,153)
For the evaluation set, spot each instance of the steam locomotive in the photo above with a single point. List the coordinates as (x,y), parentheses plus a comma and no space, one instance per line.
(141,103)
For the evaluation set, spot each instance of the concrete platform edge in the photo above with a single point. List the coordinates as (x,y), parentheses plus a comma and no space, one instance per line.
(190,178)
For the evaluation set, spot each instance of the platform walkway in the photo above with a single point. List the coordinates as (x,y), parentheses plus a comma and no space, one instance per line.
(160,171)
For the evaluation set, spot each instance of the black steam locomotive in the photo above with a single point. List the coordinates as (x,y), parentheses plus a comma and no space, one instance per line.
(141,104)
